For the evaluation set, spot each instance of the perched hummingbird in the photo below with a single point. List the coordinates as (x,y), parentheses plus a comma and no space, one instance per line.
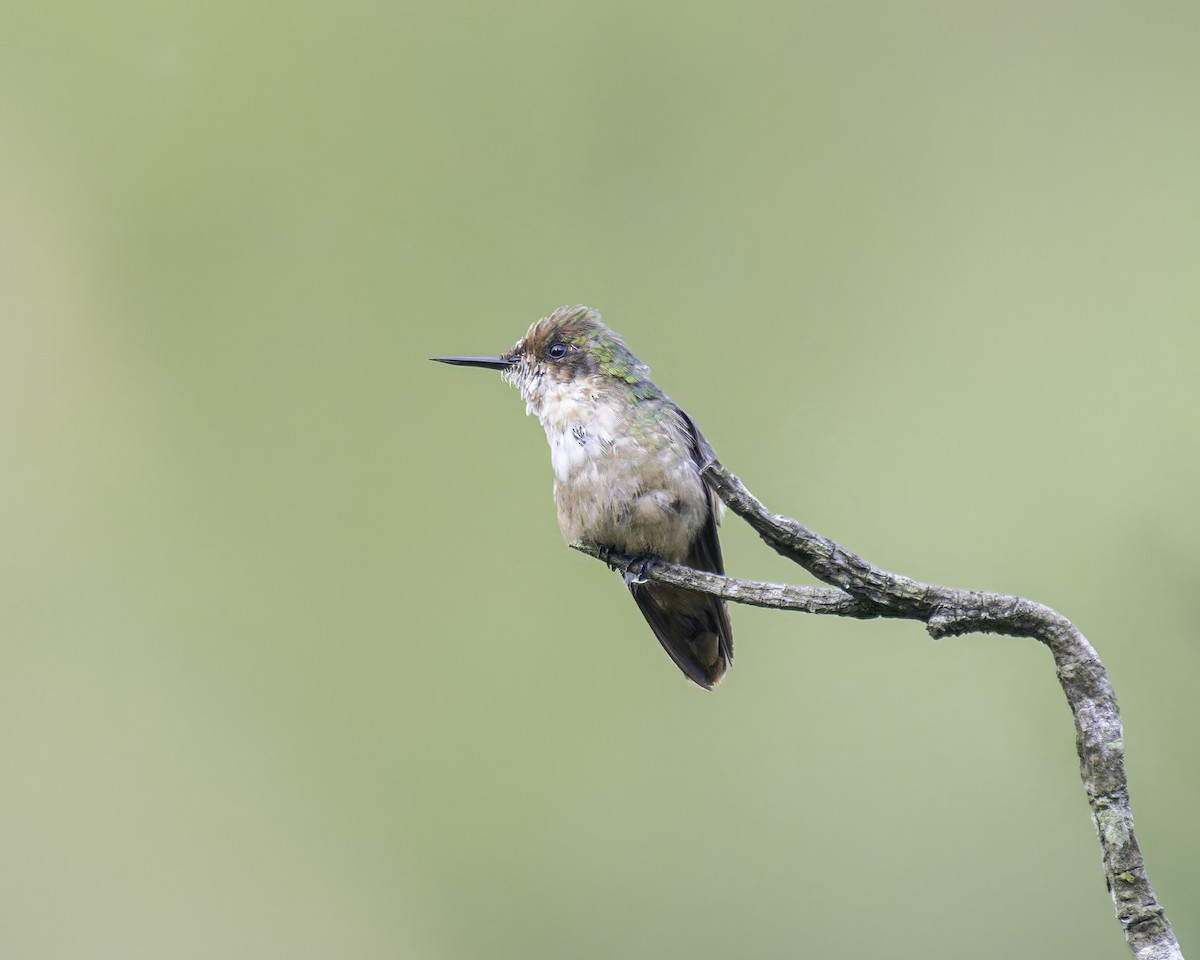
(626,472)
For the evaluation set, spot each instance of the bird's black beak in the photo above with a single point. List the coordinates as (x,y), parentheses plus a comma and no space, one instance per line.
(492,363)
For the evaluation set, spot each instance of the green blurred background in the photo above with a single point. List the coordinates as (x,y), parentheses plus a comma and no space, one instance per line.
(295,663)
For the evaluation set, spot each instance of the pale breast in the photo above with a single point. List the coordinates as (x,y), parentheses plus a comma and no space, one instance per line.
(625,480)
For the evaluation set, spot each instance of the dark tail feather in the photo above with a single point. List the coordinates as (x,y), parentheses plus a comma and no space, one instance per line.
(692,627)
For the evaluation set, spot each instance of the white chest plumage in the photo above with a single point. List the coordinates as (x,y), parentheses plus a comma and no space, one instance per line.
(623,472)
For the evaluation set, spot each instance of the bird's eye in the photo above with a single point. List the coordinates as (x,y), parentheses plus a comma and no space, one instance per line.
(557,351)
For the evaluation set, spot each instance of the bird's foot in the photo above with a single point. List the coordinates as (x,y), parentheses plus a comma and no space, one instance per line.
(634,573)
(604,554)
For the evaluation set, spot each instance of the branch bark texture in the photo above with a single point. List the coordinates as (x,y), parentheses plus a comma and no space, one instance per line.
(861,590)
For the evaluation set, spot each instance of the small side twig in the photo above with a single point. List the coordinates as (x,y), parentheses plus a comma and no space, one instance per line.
(861,590)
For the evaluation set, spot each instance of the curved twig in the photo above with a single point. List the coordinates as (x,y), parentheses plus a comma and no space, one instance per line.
(861,590)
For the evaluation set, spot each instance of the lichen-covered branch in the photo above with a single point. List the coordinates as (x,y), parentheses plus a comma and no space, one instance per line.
(861,590)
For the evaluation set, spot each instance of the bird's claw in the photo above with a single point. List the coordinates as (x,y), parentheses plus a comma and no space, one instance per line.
(604,554)
(635,571)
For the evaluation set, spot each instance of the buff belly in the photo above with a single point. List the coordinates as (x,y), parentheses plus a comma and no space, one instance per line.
(641,498)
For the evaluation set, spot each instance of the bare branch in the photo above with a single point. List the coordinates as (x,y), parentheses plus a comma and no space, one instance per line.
(754,593)
(861,590)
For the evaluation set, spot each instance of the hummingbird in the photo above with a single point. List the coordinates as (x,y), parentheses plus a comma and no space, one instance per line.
(627,464)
